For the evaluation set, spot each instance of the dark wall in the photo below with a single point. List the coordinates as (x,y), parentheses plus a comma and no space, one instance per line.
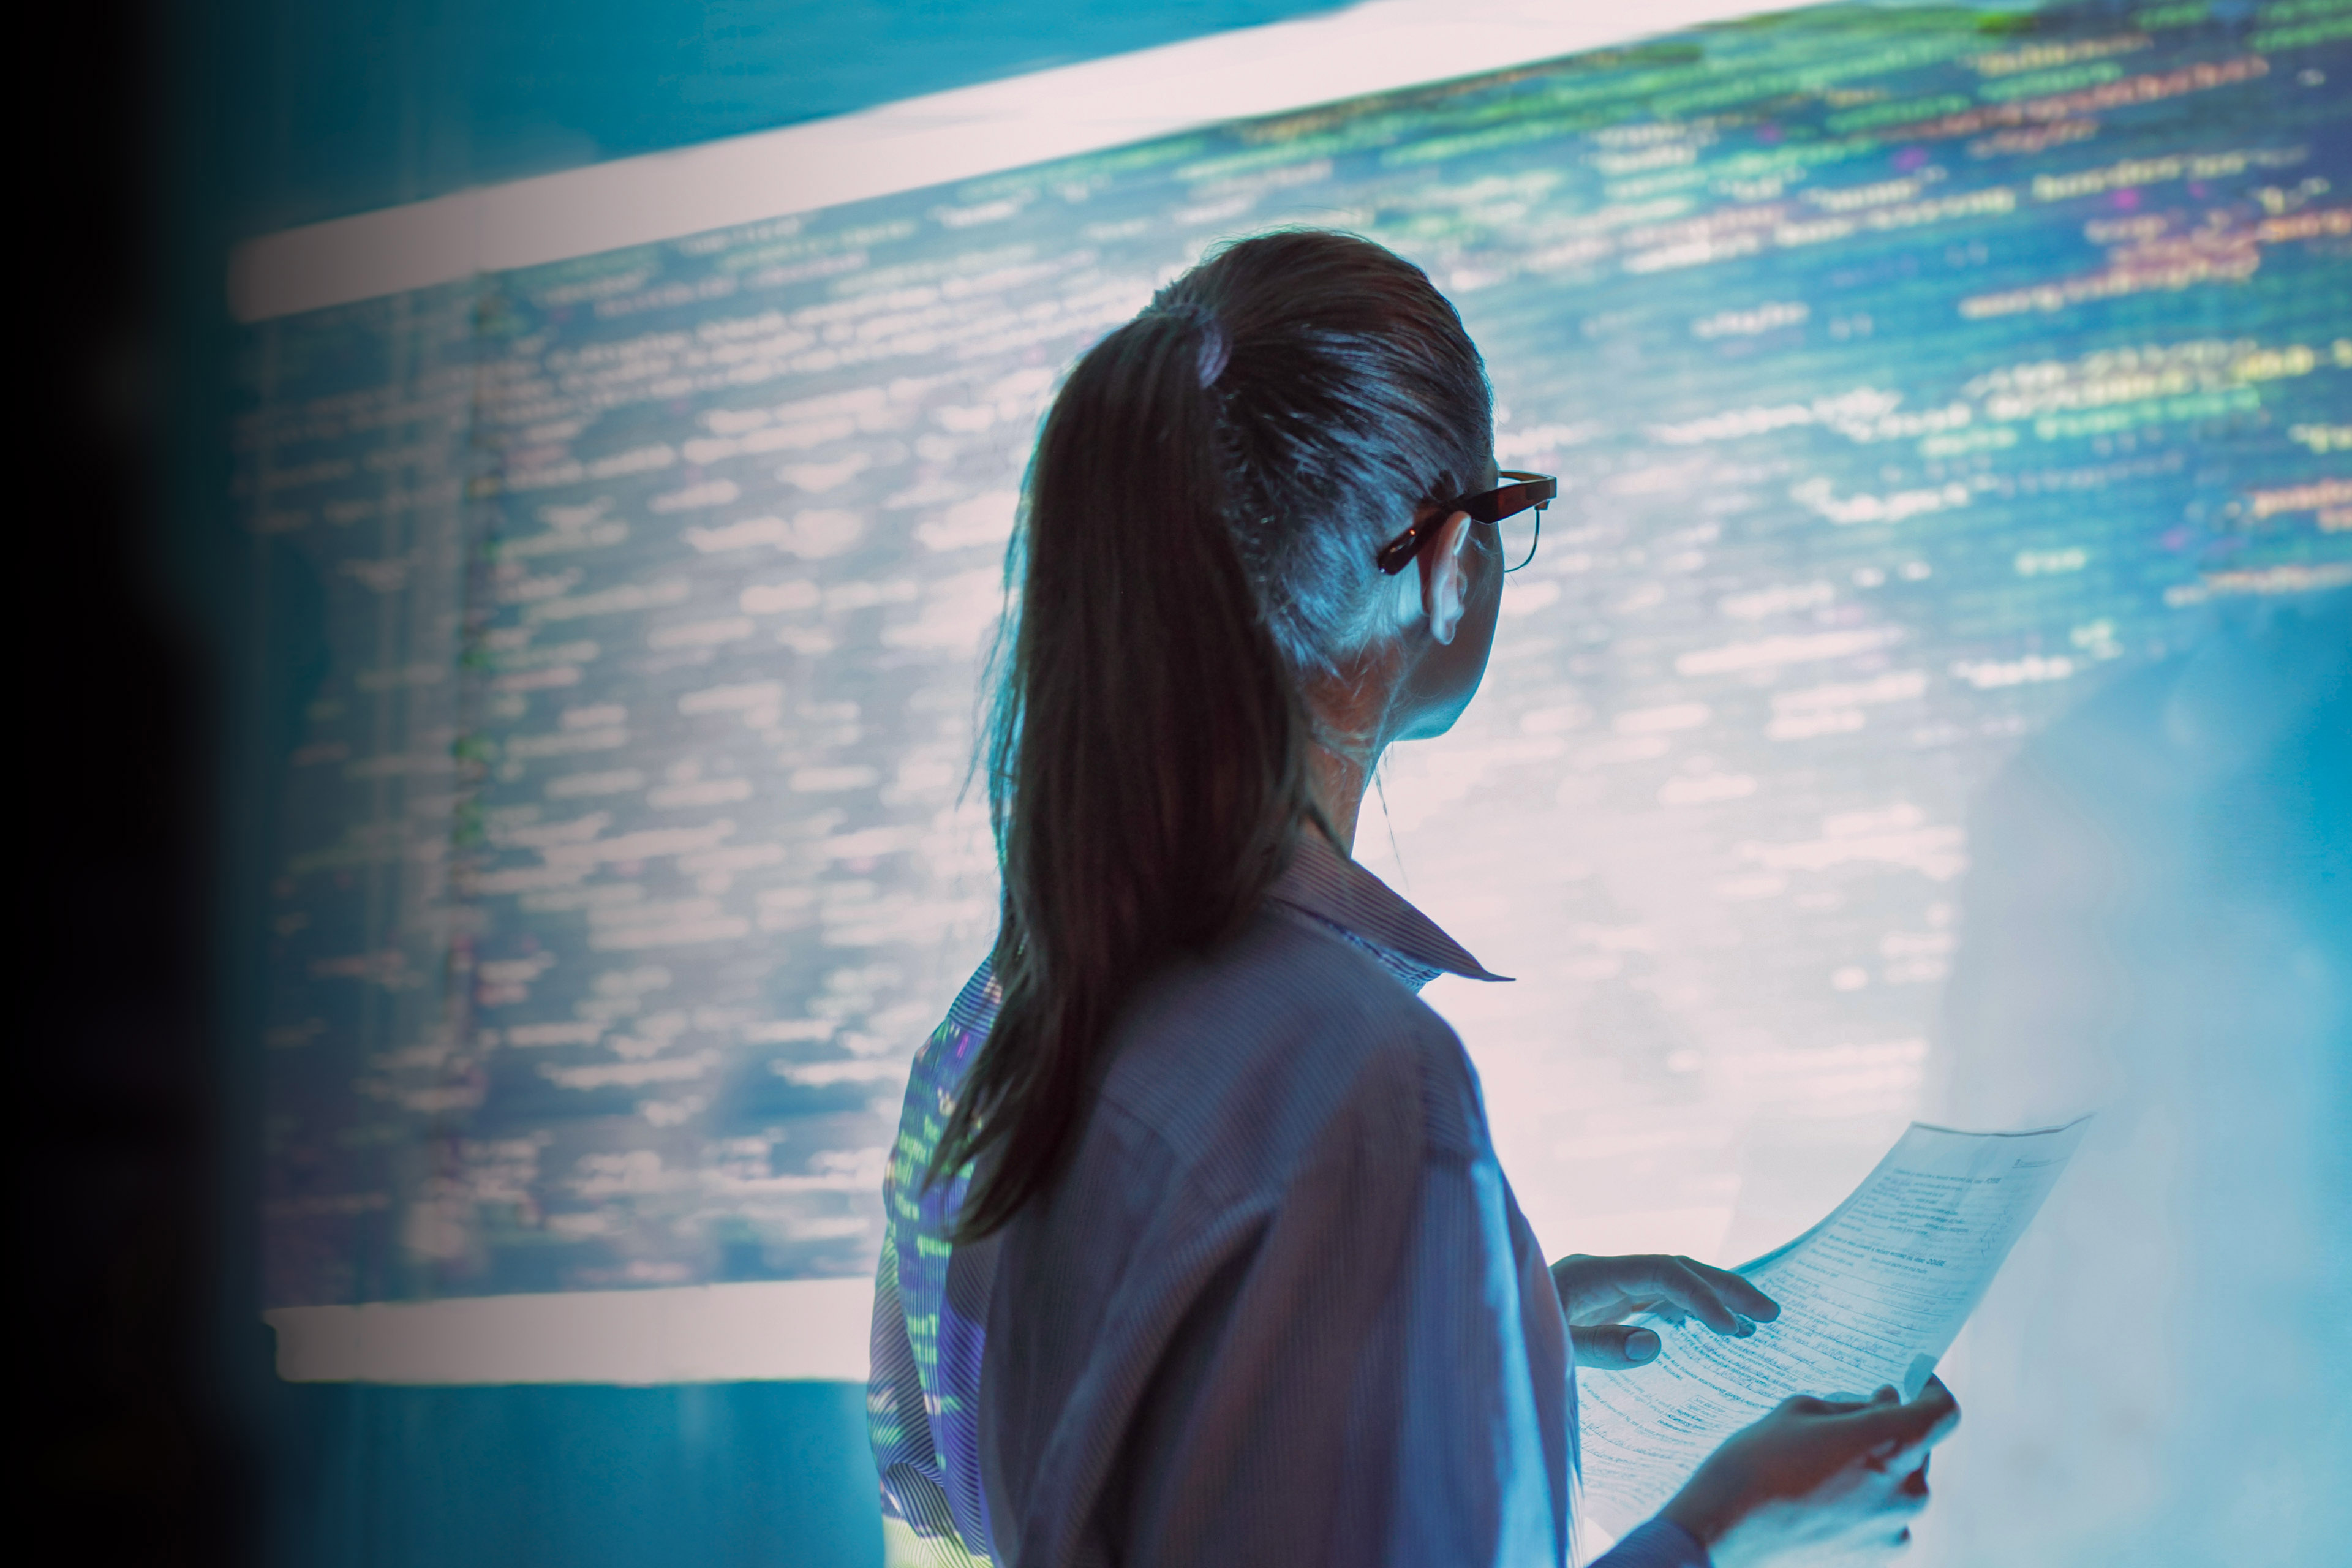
(114,1232)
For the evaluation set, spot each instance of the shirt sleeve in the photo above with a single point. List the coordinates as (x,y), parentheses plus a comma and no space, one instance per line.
(914,1494)
(911,1399)
(1380,1379)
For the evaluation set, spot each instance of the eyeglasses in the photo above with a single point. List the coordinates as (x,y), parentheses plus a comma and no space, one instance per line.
(1516,510)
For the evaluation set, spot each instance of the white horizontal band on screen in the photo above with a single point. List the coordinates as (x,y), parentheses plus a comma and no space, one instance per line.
(786,1331)
(1377,46)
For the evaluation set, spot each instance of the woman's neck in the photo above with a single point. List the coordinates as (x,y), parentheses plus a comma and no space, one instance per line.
(1353,710)
(1340,784)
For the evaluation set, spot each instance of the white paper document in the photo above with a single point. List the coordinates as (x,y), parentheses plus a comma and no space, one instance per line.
(1873,1295)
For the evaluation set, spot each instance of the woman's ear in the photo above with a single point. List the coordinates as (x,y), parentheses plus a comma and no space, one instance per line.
(1445,576)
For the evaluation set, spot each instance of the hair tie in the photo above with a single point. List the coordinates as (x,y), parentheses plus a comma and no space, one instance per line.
(1214,350)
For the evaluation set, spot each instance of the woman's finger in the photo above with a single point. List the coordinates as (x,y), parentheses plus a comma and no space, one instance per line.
(1808,1405)
(1613,1347)
(1676,1279)
(1595,1290)
(1902,1434)
(1738,1294)
(1600,1290)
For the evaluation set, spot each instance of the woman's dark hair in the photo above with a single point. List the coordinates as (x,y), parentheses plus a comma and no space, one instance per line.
(1201,513)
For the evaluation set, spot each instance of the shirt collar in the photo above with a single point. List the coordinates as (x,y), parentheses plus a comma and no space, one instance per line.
(1334,890)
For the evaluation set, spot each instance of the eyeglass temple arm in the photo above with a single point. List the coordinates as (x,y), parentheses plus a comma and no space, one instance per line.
(1485,507)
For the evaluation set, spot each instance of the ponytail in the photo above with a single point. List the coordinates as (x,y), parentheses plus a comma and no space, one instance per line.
(1146,758)
(1203,508)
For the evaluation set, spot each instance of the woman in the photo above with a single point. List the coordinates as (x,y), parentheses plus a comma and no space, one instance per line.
(1188,1157)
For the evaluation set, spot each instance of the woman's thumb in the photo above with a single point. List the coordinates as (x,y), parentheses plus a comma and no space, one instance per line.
(1613,1347)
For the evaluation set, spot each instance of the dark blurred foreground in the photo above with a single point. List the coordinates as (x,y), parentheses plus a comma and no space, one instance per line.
(115,1143)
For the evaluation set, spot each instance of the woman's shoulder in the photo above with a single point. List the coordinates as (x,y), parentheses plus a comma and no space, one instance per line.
(1244,1055)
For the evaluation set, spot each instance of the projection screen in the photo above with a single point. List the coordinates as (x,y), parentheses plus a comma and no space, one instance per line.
(1923,383)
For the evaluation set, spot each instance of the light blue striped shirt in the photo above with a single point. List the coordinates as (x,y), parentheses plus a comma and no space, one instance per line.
(1281,1307)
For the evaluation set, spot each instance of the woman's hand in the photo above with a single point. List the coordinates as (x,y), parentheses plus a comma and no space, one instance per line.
(1598,1294)
(1817,1481)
